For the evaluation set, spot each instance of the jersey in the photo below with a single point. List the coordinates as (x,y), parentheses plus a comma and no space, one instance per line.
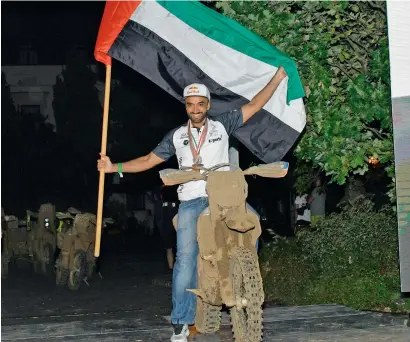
(215,148)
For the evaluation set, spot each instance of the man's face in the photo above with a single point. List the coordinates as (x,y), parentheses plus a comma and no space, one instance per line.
(196,108)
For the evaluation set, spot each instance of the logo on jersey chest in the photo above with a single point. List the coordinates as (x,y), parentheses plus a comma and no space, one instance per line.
(212,140)
(213,136)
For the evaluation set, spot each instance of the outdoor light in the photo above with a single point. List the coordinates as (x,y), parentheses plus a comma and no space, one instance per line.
(374,162)
(46,222)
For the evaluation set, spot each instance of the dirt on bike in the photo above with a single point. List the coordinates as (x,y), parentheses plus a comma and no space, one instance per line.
(75,241)
(227,232)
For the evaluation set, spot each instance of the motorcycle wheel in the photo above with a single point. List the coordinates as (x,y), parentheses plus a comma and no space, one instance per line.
(247,286)
(90,270)
(61,273)
(208,317)
(77,271)
(46,265)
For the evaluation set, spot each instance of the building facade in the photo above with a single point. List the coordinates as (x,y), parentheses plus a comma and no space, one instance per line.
(31,87)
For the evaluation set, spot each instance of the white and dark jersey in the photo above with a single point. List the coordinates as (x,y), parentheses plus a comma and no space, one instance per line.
(215,148)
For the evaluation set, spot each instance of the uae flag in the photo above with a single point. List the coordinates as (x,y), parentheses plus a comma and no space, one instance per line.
(175,43)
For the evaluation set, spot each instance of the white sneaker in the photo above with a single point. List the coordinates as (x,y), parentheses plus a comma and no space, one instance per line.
(181,332)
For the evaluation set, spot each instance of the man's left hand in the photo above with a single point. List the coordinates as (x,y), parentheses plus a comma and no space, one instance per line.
(280,73)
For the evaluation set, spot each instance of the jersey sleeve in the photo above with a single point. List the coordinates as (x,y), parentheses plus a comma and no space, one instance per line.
(166,148)
(231,120)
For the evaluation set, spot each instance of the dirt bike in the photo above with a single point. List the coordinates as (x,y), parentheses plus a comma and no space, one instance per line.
(75,240)
(30,241)
(227,231)
(45,239)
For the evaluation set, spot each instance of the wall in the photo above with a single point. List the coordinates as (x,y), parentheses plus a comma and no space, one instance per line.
(399,41)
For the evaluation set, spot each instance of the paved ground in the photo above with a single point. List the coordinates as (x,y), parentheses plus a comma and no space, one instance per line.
(132,303)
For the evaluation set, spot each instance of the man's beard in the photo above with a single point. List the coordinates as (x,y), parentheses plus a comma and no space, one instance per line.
(197,117)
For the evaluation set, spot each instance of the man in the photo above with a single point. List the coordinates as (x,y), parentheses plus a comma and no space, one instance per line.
(202,141)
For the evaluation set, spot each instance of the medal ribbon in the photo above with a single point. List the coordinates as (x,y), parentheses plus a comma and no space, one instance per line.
(195,150)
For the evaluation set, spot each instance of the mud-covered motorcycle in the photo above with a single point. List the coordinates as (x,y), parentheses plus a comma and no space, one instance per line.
(75,240)
(30,241)
(227,231)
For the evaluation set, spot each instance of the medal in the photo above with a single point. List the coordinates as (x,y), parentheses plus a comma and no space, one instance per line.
(195,150)
(197,163)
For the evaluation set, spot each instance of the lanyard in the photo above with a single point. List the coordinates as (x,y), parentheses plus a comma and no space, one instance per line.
(195,150)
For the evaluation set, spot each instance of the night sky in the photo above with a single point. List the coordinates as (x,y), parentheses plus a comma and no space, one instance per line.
(52,28)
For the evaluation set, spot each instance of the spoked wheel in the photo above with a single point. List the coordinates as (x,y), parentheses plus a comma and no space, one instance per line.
(208,317)
(45,264)
(61,273)
(77,271)
(247,285)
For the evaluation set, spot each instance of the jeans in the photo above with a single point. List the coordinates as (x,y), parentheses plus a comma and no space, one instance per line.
(185,268)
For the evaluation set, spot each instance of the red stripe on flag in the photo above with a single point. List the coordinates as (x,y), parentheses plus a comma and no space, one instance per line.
(116,15)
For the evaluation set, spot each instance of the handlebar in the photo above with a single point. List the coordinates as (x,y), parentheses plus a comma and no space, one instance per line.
(213,168)
(184,174)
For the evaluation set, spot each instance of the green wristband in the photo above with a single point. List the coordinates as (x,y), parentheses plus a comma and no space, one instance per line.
(120,169)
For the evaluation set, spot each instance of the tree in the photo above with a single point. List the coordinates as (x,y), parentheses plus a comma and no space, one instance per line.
(341,50)
(78,114)
(38,159)
(11,147)
(9,116)
(28,151)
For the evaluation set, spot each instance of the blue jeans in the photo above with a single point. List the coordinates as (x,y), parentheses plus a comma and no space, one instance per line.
(185,268)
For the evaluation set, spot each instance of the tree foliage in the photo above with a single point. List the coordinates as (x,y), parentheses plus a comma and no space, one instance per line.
(11,146)
(341,50)
(78,114)
(27,152)
(9,117)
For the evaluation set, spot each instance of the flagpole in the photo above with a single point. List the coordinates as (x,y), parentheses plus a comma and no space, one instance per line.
(103,151)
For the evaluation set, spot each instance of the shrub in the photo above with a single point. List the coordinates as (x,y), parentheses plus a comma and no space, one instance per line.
(286,272)
(349,258)
(359,239)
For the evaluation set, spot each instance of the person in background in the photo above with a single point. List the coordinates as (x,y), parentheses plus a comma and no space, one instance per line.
(302,212)
(169,208)
(317,201)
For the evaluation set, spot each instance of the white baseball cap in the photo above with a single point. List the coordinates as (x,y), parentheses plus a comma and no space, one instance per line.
(197,89)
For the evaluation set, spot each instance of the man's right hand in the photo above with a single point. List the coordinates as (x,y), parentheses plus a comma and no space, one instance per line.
(104,164)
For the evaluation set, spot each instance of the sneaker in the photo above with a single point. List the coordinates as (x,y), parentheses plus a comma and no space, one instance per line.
(181,332)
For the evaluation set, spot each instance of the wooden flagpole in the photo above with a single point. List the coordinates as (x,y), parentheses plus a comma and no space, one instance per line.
(103,151)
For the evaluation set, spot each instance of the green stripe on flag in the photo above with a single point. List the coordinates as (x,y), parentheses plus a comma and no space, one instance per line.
(230,33)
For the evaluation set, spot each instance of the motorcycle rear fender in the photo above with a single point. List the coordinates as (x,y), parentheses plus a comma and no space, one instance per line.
(81,243)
